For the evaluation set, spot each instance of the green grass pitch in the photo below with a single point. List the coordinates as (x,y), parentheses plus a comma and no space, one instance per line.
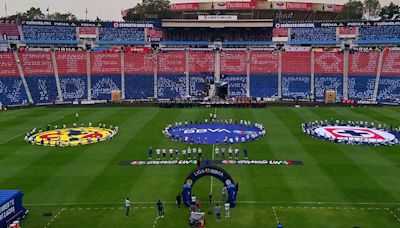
(338,185)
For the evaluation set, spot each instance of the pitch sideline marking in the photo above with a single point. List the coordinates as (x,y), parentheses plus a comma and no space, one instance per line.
(87,209)
(18,135)
(212,157)
(55,217)
(276,215)
(394,215)
(240,202)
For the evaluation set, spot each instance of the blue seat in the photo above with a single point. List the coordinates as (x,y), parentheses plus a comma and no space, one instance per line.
(379,33)
(313,34)
(361,87)
(12,91)
(73,87)
(296,85)
(198,84)
(236,84)
(170,86)
(38,32)
(43,88)
(121,34)
(139,86)
(323,82)
(389,89)
(102,85)
(263,85)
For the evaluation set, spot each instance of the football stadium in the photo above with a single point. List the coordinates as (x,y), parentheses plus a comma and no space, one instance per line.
(259,113)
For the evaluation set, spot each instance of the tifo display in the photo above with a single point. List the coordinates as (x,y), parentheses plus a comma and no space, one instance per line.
(350,132)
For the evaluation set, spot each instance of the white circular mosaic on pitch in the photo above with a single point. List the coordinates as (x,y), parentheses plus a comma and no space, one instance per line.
(354,133)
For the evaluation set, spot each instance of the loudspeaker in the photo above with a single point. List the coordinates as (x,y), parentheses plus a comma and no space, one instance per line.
(330,96)
(116,96)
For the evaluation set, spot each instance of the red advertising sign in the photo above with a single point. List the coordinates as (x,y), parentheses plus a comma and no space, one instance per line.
(299,6)
(185,6)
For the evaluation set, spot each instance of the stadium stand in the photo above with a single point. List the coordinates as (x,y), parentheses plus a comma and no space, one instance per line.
(9,30)
(233,71)
(362,75)
(105,74)
(201,69)
(49,32)
(389,83)
(263,74)
(139,75)
(171,81)
(121,34)
(12,90)
(379,33)
(328,72)
(313,34)
(39,74)
(73,74)
(296,75)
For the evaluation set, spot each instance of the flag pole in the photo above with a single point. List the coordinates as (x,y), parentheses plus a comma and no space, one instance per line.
(5,8)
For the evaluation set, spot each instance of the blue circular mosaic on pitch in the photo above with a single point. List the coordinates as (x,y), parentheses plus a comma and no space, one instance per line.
(214,133)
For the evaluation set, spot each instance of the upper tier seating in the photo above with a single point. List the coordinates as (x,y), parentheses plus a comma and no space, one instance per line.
(379,33)
(49,32)
(121,34)
(312,34)
(201,61)
(8,29)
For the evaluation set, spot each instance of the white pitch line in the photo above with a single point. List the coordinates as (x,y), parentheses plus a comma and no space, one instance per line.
(276,215)
(212,158)
(239,202)
(20,134)
(54,218)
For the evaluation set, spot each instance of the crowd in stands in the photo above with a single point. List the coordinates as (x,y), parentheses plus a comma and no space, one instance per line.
(309,128)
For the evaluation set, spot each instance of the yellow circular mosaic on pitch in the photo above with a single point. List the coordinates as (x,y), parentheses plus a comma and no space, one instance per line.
(72,136)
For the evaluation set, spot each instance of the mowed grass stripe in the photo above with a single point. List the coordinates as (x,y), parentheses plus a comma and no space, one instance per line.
(320,184)
(20,156)
(373,161)
(361,183)
(168,179)
(50,174)
(123,148)
(88,163)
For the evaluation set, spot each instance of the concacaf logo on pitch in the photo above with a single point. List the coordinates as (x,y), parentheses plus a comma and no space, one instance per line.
(72,136)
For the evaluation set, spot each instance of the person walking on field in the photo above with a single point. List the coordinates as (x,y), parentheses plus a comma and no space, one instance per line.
(127,206)
(227,210)
(178,199)
(218,212)
(160,209)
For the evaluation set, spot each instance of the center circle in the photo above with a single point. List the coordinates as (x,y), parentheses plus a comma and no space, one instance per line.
(215,133)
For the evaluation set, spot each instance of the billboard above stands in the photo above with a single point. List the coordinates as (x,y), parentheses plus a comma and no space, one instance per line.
(279,5)
(300,6)
(217,17)
(185,6)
